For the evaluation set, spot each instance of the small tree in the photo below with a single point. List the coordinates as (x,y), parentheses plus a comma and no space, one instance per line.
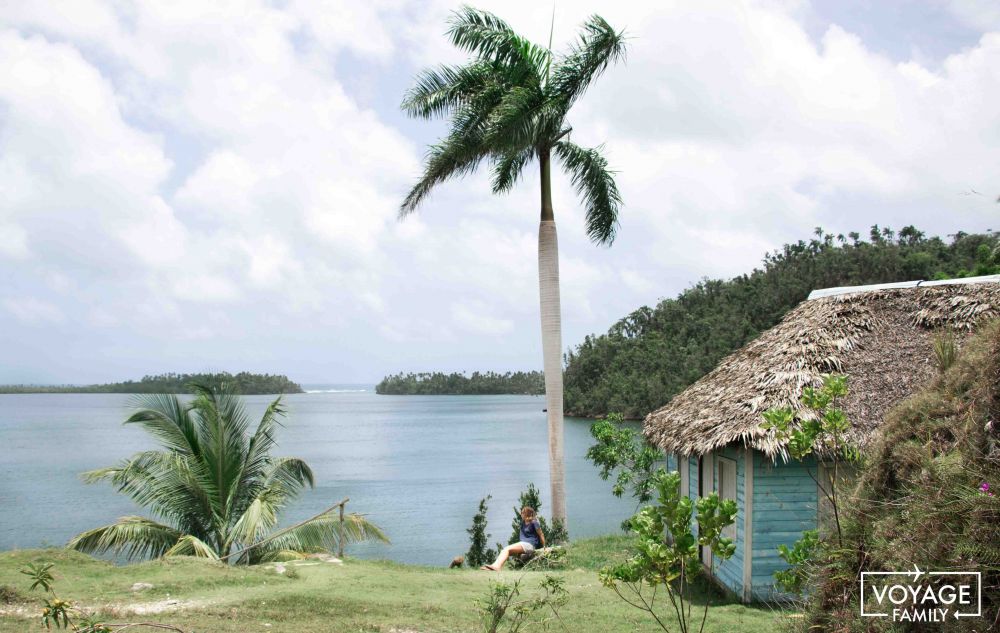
(620,449)
(503,608)
(666,551)
(479,554)
(819,427)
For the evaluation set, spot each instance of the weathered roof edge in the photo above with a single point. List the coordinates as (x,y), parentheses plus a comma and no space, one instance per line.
(919,283)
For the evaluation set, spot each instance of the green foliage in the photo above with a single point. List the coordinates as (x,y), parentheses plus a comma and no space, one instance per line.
(216,484)
(56,612)
(620,449)
(665,552)
(654,353)
(818,427)
(503,608)
(508,104)
(479,554)
(920,497)
(799,558)
(243,382)
(945,350)
(41,576)
(518,382)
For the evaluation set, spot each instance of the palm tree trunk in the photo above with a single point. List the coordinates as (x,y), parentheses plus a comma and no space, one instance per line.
(548,289)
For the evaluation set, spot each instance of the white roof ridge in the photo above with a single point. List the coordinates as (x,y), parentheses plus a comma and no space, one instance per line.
(920,283)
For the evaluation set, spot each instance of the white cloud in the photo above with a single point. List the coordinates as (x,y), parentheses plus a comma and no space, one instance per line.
(479,317)
(231,171)
(33,312)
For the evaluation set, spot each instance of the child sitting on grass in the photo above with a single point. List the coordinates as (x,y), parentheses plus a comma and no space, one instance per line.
(531,539)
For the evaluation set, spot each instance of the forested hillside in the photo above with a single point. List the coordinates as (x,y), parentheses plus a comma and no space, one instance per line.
(518,382)
(654,353)
(245,383)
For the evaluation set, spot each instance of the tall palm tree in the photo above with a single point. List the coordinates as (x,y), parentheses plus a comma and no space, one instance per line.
(508,106)
(215,486)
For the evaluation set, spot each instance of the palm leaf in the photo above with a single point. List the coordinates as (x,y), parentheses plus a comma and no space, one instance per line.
(598,47)
(507,169)
(320,534)
(593,181)
(453,157)
(188,545)
(167,419)
(133,536)
(488,37)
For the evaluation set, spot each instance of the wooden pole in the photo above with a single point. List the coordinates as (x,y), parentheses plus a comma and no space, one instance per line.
(340,538)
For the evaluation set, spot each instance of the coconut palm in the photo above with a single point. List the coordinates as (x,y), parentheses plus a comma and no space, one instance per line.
(215,486)
(508,106)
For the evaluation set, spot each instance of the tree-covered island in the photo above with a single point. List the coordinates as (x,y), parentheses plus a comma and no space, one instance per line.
(245,382)
(440,384)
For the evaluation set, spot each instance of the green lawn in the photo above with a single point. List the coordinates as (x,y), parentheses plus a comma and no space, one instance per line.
(356,596)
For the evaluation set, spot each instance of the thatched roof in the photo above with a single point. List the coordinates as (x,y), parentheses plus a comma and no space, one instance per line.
(881,338)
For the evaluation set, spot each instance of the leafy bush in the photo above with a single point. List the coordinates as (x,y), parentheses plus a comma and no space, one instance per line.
(620,449)
(479,554)
(665,554)
(503,609)
(920,498)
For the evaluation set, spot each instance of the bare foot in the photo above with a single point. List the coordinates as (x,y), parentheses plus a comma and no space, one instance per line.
(488,568)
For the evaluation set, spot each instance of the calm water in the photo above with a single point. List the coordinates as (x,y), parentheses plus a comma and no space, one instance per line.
(417,465)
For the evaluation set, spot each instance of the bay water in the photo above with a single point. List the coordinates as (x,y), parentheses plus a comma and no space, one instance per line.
(415,465)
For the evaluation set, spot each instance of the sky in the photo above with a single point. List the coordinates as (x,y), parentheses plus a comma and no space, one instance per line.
(193,186)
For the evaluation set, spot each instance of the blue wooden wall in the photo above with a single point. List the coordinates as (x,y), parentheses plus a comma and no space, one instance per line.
(730,572)
(784,506)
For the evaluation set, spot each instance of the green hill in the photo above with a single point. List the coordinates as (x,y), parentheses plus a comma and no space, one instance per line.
(654,353)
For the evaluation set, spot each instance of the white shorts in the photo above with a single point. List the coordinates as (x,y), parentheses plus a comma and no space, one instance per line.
(527,547)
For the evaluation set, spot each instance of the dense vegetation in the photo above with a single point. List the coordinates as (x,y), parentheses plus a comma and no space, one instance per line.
(518,382)
(925,497)
(654,353)
(244,382)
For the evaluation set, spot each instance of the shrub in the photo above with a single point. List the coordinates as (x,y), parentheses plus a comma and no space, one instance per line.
(479,554)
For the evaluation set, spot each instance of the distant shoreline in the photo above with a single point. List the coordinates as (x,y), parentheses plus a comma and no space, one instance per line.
(245,383)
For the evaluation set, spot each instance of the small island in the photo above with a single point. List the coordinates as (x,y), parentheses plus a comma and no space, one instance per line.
(457,384)
(246,383)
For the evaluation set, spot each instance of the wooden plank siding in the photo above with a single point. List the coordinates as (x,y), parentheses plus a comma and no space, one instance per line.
(784,505)
(730,572)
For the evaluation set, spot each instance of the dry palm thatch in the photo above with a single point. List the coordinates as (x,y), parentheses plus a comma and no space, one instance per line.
(881,339)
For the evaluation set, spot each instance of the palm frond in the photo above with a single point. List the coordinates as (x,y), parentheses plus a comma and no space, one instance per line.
(188,545)
(133,536)
(455,156)
(258,455)
(488,37)
(507,169)
(223,425)
(167,419)
(446,88)
(596,185)
(598,46)
(320,534)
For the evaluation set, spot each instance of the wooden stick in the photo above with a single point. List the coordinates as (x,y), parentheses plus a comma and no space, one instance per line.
(340,533)
(289,529)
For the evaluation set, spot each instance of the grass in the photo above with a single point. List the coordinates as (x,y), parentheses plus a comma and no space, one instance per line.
(366,596)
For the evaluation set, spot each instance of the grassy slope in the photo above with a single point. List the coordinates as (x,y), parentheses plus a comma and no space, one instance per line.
(357,596)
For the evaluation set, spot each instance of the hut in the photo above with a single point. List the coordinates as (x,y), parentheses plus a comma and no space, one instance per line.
(881,337)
